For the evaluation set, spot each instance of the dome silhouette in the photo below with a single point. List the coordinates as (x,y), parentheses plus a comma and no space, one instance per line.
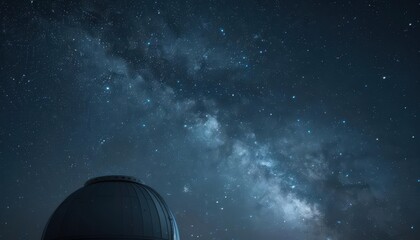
(112,207)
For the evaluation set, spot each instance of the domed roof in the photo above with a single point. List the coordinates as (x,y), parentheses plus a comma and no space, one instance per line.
(112,207)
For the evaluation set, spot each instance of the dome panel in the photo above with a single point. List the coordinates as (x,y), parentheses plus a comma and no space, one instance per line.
(112,207)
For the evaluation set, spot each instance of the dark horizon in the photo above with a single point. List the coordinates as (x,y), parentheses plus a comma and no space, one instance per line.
(253,119)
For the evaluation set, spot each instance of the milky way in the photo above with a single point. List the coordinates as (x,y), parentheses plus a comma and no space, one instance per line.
(254,119)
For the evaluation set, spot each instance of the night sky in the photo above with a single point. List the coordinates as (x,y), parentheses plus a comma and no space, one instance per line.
(253,119)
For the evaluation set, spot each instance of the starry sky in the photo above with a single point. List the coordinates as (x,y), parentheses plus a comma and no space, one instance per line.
(254,119)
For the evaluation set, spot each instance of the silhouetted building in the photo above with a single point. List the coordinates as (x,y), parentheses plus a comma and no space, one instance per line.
(112,207)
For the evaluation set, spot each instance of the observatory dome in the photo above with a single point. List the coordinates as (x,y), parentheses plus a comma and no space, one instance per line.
(112,207)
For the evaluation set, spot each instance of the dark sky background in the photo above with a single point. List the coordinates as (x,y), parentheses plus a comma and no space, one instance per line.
(254,119)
